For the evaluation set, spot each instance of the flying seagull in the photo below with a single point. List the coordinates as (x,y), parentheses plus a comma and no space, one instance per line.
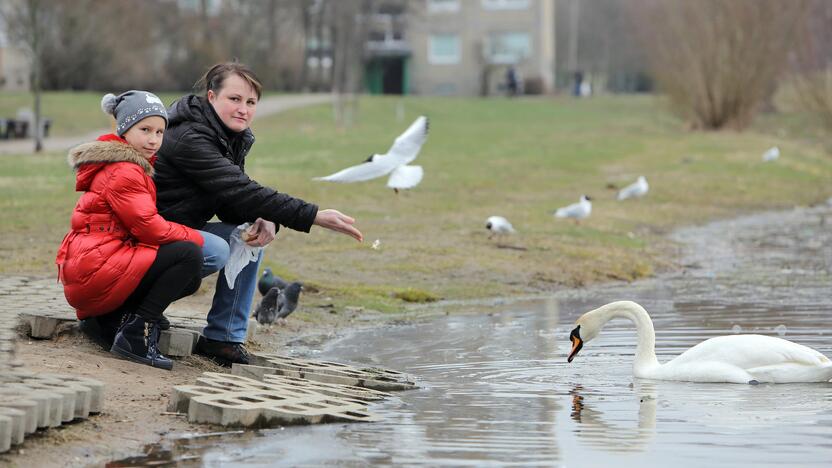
(394,162)
(576,211)
(637,189)
(771,154)
(498,225)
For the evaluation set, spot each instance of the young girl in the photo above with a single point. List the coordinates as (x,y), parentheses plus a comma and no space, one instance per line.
(121,263)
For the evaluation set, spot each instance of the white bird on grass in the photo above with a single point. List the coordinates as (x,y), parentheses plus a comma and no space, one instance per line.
(394,162)
(729,359)
(498,225)
(576,211)
(771,154)
(637,189)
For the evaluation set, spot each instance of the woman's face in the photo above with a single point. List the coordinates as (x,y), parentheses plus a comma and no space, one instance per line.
(146,135)
(235,102)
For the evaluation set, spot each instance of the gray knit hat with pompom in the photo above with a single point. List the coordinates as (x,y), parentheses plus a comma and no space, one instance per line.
(132,106)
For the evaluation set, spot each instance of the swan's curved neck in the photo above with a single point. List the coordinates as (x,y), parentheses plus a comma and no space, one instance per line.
(646,347)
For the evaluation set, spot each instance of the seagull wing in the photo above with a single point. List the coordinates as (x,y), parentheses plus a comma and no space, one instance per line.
(365,171)
(407,145)
(405,177)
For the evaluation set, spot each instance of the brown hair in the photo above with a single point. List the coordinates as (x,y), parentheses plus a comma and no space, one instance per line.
(214,78)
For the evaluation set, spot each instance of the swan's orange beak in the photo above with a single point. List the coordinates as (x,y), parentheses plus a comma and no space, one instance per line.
(577,343)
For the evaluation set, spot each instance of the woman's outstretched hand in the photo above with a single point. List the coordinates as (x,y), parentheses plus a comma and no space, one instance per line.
(336,221)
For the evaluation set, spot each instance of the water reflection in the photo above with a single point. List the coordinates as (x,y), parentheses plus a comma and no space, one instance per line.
(619,432)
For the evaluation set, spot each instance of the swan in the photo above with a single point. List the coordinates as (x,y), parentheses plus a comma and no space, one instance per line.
(728,359)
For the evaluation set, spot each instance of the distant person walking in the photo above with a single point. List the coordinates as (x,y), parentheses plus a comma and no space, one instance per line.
(512,84)
(201,173)
(121,263)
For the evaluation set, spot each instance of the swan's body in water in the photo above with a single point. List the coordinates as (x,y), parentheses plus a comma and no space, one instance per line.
(731,359)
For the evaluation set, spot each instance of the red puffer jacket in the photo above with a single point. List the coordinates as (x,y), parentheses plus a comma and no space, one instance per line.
(115,229)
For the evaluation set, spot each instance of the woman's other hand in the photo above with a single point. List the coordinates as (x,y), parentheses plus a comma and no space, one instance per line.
(336,221)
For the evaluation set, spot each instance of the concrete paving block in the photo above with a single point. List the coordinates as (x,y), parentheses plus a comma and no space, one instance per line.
(260,409)
(29,408)
(341,391)
(176,343)
(333,372)
(251,331)
(83,395)
(40,326)
(67,395)
(41,400)
(18,427)
(289,386)
(55,409)
(96,388)
(180,397)
(5,433)
(252,371)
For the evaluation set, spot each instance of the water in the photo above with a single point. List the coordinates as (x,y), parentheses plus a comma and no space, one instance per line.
(497,390)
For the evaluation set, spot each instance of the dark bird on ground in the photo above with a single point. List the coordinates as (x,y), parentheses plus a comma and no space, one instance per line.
(268,280)
(287,301)
(266,311)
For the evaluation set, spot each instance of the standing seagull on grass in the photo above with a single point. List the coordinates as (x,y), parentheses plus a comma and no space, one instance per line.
(394,162)
(498,225)
(771,154)
(637,189)
(576,211)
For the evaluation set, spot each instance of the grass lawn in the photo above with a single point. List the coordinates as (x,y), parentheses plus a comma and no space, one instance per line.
(516,158)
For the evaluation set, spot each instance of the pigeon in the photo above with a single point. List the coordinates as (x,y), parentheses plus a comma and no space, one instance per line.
(637,189)
(498,225)
(394,162)
(576,211)
(287,301)
(268,280)
(771,154)
(266,312)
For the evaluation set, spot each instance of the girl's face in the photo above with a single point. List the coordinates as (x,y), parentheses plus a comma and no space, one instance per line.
(235,102)
(146,136)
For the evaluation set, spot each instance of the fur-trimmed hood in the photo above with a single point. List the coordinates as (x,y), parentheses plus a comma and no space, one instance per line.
(107,150)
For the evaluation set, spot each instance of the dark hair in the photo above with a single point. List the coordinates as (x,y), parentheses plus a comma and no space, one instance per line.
(214,78)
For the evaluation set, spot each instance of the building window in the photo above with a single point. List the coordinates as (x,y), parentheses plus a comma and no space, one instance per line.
(443,49)
(505,4)
(508,48)
(443,6)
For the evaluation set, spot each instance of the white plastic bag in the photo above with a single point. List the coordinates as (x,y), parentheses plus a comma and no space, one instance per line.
(241,254)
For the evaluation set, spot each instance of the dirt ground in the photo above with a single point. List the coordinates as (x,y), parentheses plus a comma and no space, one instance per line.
(136,396)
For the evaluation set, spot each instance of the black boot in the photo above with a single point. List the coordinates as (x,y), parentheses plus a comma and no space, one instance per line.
(138,340)
(103,328)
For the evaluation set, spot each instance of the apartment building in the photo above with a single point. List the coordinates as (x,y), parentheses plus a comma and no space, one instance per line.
(461,47)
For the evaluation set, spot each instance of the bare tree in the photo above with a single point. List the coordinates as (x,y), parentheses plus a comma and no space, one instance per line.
(349,33)
(27,23)
(718,60)
(812,64)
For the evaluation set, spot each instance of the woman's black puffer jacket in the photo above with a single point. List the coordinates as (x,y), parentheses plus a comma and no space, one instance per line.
(200,173)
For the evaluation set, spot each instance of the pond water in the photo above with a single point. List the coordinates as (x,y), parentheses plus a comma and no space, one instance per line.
(497,390)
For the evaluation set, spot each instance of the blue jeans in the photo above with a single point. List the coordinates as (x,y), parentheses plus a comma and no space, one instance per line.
(228,317)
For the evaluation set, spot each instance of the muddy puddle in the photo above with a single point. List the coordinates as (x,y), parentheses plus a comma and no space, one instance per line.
(497,390)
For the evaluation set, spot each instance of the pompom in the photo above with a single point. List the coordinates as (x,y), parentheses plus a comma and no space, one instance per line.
(108,104)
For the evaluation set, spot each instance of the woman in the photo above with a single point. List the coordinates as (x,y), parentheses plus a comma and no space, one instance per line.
(200,173)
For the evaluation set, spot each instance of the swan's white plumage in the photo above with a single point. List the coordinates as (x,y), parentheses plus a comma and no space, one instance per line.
(732,359)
